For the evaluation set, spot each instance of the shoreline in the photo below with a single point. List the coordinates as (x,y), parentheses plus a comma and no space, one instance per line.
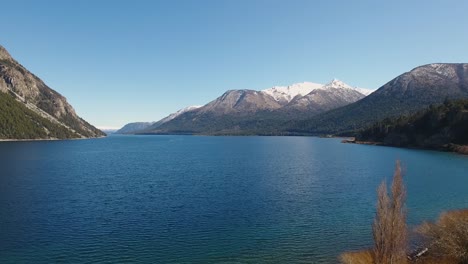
(453,148)
(44,139)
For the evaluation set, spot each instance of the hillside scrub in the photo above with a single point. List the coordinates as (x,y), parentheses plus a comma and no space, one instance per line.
(447,238)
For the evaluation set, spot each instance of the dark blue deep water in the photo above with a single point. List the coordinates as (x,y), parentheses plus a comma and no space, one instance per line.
(189,199)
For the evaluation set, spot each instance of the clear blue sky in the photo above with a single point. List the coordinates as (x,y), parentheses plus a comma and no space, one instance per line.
(123,61)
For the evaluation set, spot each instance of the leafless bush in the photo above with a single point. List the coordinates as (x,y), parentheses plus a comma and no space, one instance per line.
(448,237)
(389,228)
(357,257)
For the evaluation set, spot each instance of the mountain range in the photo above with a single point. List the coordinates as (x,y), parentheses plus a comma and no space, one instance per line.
(239,111)
(406,94)
(141,126)
(32,110)
(314,109)
(29,109)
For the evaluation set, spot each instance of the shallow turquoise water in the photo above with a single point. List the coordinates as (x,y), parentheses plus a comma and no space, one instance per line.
(188,199)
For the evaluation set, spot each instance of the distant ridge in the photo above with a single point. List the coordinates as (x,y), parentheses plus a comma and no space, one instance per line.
(136,127)
(313,109)
(253,112)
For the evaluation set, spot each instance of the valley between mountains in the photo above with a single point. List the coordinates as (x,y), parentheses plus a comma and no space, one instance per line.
(29,109)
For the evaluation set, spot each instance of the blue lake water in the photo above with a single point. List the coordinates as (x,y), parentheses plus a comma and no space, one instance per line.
(191,199)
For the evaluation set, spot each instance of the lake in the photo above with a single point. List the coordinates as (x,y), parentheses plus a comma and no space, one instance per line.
(195,199)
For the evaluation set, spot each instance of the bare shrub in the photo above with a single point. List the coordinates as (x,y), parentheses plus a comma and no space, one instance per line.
(389,228)
(448,237)
(357,257)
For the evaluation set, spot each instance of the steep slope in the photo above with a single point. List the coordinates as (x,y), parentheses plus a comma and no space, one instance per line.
(19,122)
(438,127)
(239,102)
(407,93)
(35,95)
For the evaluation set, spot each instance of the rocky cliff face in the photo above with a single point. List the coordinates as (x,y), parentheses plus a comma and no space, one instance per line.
(37,96)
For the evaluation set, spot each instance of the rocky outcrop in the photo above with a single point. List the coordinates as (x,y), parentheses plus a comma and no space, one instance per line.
(37,96)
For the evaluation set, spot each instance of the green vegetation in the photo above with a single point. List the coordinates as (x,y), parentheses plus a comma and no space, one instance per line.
(19,122)
(260,123)
(438,127)
(74,122)
(358,115)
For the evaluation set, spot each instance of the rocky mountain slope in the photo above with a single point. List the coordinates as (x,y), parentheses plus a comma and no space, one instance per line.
(330,96)
(134,127)
(405,94)
(178,113)
(285,94)
(43,103)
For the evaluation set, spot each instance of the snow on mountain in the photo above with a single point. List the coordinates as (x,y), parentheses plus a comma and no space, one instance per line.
(284,94)
(326,98)
(305,97)
(364,91)
(134,127)
(335,83)
(329,96)
(178,113)
(137,127)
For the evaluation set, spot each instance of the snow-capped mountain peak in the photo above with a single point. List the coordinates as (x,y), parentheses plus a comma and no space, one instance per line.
(181,111)
(285,94)
(335,83)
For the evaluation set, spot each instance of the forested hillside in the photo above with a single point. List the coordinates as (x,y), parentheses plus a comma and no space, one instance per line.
(439,127)
(19,122)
